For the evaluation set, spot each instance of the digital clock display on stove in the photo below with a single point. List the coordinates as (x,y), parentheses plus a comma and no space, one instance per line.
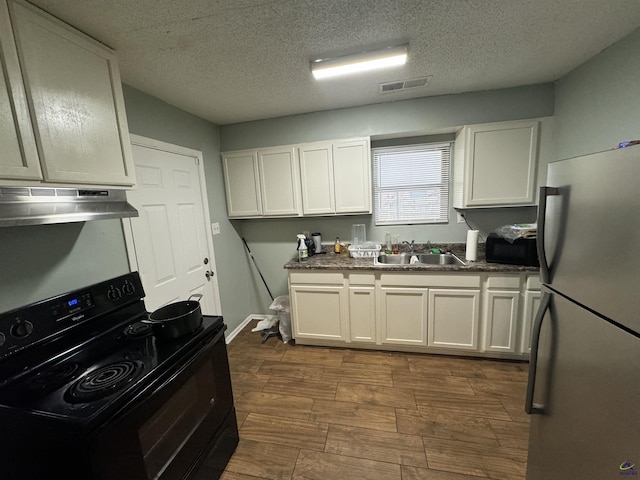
(71,306)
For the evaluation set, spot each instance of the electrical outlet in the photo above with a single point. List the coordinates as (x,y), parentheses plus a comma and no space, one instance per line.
(460,217)
(215,228)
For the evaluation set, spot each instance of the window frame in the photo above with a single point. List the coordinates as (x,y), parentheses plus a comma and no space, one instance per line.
(415,190)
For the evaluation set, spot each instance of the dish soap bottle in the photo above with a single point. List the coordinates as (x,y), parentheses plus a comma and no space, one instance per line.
(336,247)
(303,253)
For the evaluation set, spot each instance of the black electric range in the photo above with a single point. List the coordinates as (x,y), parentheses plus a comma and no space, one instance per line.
(87,391)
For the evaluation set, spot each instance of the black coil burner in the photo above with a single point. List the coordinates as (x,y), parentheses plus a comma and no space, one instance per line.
(52,379)
(104,381)
(137,330)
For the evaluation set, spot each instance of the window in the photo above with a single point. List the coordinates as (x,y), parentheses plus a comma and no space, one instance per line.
(411,184)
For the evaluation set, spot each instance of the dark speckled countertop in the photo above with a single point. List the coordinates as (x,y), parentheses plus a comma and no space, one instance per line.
(331,261)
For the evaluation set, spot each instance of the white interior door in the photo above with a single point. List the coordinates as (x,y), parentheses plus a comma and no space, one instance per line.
(170,242)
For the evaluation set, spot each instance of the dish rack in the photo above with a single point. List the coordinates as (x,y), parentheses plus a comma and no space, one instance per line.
(366,250)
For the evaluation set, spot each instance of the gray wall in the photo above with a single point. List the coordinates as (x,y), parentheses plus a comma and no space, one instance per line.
(41,261)
(273,240)
(423,116)
(598,103)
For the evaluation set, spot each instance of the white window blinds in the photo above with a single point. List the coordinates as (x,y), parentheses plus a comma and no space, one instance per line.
(411,184)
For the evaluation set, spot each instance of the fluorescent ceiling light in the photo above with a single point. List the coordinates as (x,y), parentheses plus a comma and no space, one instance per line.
(360,62)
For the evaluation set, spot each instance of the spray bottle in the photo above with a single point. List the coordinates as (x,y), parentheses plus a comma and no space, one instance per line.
(303,253)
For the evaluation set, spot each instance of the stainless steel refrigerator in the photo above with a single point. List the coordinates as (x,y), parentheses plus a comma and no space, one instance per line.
(584,379)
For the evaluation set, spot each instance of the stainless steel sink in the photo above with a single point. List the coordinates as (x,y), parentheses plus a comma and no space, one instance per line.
(420,258)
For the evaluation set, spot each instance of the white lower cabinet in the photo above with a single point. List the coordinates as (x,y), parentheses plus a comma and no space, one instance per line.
(319,312)
(319,306)
(362,308)
(456,313)
(501,320)
(403,315)
(454,318)
(362,314)
(501,313)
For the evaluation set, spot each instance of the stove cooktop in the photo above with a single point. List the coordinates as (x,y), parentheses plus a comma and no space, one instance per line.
(105,373)
(84,354)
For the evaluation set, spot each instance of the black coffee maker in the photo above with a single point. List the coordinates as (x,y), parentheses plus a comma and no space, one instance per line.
(311,246)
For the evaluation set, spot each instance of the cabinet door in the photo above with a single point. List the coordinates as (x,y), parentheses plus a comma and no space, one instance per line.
(279,181)
(531,305)
(316,175)
(74,90)
(352,176)
(318,312)
(403,316)
(454,318)
(241,183)
(19,159)
(500,320)
(362,314)
(501,160)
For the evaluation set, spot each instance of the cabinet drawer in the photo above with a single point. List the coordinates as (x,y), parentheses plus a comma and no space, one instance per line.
(504,281)
(430,280)
(362,278)
(331,278)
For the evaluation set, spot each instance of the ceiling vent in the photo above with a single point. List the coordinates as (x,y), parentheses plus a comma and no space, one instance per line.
(403,84)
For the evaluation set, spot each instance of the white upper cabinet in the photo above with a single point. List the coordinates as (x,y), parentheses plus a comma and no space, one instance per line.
(242,183)
(336,177)
(73,91)
(320,178)
(496,164)
(19,159)
(279,181)
(262,182)
(316,169)
(352,176)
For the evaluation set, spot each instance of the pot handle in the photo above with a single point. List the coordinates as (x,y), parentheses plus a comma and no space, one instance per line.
(195,295)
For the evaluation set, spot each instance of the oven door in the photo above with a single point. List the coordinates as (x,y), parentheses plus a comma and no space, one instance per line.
(168,433)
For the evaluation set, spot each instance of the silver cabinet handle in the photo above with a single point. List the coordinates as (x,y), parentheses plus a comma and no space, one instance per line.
(542,213)
(529,406)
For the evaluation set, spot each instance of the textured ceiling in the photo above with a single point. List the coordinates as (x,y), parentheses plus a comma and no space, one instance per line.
(238,60)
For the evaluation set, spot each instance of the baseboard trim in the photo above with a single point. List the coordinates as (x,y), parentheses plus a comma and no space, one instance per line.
(245,322)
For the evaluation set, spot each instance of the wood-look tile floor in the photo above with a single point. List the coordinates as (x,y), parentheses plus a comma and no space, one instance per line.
(315,413)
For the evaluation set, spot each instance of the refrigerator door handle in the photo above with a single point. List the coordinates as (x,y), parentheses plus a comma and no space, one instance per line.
(530,407)
(542,213)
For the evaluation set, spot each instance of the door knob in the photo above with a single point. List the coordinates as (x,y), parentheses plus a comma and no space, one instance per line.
(208,274)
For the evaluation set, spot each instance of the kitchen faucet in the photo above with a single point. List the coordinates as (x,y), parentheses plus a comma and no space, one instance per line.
(409,244)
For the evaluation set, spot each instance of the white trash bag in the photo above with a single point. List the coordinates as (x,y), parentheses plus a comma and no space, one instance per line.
(281,306)
(266,323)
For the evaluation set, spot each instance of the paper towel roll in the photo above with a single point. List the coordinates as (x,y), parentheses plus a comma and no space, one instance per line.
(472,245)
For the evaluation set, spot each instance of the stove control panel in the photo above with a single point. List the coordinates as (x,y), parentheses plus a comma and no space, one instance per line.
(73,305)
(35,323)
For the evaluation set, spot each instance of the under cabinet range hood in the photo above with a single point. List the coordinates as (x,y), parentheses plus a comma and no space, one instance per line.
(44,205)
